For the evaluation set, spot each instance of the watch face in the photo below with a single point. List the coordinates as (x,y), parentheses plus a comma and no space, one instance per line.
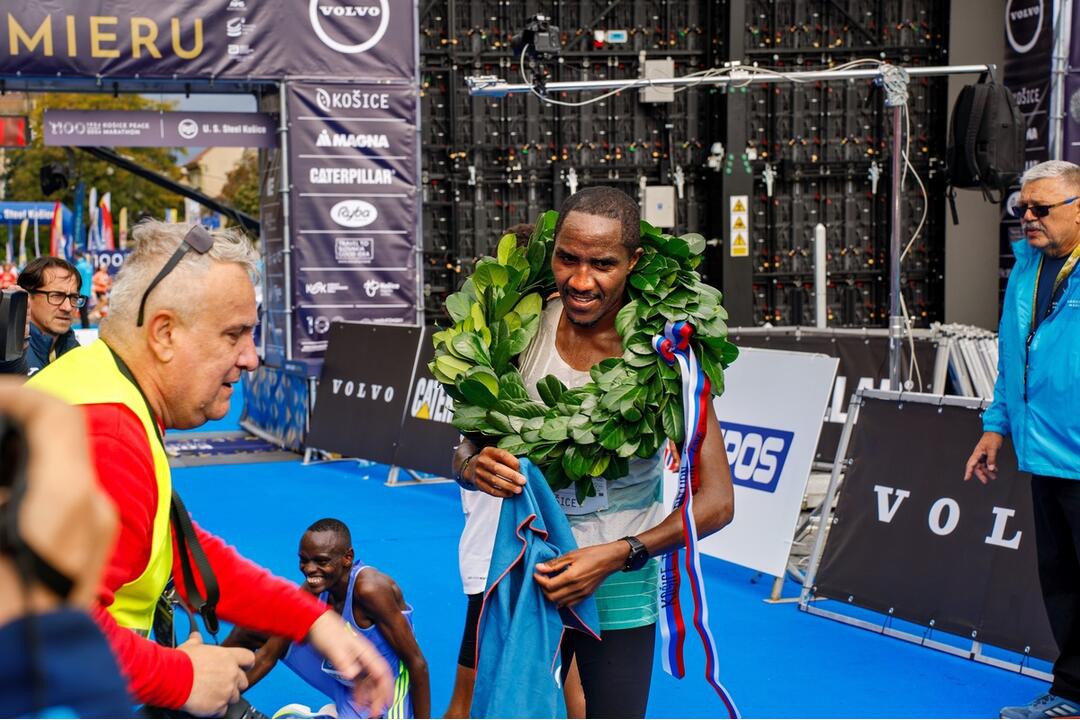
(639,555)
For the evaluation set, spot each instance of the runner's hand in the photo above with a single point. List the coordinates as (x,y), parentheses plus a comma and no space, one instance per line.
(495,472)
(356,658)
(570,578)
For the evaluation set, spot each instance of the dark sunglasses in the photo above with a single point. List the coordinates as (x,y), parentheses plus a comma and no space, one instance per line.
(197,239)
(57,298)
(1039,211)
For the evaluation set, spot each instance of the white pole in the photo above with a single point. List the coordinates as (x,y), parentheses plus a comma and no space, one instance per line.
(738,76)
(1059,64)
(896,321)
(819,276)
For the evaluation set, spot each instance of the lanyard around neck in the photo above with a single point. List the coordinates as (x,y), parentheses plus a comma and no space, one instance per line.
(1063,273)
(126,372)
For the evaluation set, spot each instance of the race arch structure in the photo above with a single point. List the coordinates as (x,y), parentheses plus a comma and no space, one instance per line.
(340,213)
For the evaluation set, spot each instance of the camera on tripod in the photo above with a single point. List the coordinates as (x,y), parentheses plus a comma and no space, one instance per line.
(537,46)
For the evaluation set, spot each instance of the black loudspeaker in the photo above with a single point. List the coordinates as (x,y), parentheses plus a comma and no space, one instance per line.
(54,176)
(12,324)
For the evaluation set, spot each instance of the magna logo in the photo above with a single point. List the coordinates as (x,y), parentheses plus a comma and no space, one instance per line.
(756,454)
(352,20)
(354,213)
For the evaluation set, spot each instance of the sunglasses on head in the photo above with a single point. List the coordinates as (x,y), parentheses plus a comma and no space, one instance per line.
(1040,211)
(197,239)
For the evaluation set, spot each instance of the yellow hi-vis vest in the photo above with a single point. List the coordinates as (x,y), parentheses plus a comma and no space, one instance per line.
(89,376)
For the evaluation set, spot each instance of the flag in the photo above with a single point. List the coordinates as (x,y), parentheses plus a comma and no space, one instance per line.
(93,240)
(106,235)
(23,227)
(37,238)
(56,231)
(122,238)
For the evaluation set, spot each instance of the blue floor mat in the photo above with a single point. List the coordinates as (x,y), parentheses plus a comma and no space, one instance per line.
(775,660)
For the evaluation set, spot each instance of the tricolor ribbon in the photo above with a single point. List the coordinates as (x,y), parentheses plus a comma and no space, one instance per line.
(674,346)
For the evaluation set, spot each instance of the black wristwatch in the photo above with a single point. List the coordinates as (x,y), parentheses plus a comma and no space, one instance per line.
(639,554)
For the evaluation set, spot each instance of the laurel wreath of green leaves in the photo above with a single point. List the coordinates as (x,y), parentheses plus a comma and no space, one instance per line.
(631,404)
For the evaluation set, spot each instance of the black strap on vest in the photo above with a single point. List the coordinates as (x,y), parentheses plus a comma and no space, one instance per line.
(187,542)
(189,547)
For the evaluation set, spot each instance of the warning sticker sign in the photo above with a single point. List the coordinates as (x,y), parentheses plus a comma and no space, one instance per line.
(739,230)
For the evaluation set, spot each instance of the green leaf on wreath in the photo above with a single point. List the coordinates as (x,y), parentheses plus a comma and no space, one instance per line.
(612,435)
(514,445)
(625,319)
(695,242)
(672,418)
(458,306)
(507,245)
(550,389)
(554,429)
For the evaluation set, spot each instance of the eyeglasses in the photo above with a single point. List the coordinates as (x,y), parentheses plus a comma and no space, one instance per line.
(197,239)
(1040,211)
(57,298)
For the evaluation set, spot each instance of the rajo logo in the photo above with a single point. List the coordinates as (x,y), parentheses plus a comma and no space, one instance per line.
(756,454)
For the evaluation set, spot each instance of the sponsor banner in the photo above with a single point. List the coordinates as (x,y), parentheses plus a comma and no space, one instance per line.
(272,338)
(111,260)
(427,437)
(144,128)
(223,39)
(1071,145)
(864,363)
(365,381)
(912,540)
(353,162)
(276,405)
(1029,41)
(770,415)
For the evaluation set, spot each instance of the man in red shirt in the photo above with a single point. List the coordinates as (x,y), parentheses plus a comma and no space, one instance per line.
(8,275)
(177,339)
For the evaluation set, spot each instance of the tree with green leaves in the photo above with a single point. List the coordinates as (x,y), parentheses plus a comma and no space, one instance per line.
(136,194)
(241,189)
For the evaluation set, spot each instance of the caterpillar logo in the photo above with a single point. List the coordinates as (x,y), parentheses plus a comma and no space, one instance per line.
(430,401)
(756,454)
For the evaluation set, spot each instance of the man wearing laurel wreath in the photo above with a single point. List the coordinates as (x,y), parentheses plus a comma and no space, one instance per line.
(624,525)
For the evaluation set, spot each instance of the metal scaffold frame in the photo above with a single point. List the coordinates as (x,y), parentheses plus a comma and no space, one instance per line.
(893,78)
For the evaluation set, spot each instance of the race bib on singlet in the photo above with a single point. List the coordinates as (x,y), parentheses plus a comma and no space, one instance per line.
(567,499)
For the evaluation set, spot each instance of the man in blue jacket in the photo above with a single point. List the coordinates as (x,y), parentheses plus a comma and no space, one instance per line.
(54,286)
(1036,397)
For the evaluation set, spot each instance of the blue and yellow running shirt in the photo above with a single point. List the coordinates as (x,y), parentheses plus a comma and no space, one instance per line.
(316,671)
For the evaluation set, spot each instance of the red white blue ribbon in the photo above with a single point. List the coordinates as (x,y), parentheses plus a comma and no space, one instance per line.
(674,347)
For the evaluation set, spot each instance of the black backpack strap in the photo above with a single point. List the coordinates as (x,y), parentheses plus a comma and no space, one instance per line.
(978,106)
(952,205)
(189,548)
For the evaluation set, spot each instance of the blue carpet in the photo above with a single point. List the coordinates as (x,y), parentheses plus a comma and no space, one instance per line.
(775,660)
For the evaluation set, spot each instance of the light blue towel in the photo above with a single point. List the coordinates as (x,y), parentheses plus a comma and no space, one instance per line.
(518,658)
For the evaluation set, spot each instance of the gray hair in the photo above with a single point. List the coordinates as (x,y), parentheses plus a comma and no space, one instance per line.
(1053,169)
(155,242)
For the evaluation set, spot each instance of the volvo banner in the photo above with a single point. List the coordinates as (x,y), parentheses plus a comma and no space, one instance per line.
(354,170)
(1029,42)
(911,539)
(234,39)
(365,384)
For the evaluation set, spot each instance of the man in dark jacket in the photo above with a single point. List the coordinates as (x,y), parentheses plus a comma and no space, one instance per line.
(54,286)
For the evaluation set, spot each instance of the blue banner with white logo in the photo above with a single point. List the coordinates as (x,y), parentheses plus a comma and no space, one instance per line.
(353,158)
(219,39)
